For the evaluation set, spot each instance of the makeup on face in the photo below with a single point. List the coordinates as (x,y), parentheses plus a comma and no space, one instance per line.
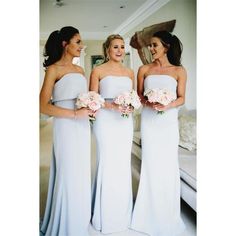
(117,50)
(75,46)
(156,48)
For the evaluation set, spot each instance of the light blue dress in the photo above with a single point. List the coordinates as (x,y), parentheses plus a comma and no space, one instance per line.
(157,207)
(68,207)
(112,196)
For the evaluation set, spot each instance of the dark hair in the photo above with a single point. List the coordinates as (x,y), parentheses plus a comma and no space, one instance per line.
(53,48)
(173,45)
(107,44)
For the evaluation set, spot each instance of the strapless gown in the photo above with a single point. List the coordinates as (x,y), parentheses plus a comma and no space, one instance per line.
(157,208)
(112,193)
(68,207)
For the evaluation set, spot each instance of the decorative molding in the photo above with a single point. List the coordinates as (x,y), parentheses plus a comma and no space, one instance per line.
(146,9)
(140,15)
(86,35)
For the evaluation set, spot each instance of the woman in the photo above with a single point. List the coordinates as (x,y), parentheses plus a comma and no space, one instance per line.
(157,208)
(69,195)
(112,196)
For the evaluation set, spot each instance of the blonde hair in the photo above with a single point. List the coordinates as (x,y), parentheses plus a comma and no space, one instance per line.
(107,44)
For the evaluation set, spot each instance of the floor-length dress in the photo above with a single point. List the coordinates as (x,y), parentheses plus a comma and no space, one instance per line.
(157,208)
(68,205)
(112,195)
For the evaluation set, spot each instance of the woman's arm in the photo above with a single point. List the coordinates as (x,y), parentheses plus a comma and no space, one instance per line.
(140,83)
(131,76)
(94,81)
(181,87)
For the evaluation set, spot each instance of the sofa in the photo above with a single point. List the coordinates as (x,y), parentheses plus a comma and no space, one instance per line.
(187,153)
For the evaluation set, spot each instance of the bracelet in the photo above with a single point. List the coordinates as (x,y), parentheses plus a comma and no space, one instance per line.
(75,115)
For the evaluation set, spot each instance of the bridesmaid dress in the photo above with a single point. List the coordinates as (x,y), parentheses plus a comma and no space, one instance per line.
(157,208)
(112,190)
(68,205)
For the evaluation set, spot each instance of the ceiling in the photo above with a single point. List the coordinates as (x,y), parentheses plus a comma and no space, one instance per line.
(95,19)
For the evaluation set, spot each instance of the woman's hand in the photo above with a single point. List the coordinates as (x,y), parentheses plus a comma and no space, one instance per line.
(112,106)
(160,107)
(119,108)
(122,109)
(92,115)
(126,109)
(84,113)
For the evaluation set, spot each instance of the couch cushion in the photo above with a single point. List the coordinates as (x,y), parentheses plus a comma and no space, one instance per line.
(187,131)
(187,166)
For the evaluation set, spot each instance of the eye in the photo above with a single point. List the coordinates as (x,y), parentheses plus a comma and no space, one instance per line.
(123,47)
(78,42)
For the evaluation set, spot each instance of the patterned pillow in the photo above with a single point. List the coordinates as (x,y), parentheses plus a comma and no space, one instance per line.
(187,132)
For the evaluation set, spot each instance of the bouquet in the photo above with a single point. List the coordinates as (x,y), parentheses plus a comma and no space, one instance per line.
(91,100)
(129,100)
(162,96)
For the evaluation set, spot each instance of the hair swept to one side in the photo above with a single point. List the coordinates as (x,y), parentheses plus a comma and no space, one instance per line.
(173,44)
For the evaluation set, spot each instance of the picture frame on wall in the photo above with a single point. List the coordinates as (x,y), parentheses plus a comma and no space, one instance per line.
(96,60)
(126,60)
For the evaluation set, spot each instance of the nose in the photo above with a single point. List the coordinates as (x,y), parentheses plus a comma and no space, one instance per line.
(81,45)
(151,48)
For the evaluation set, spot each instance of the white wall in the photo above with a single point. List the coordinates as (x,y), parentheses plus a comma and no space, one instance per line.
(184,11)
(41,59)
(93,47)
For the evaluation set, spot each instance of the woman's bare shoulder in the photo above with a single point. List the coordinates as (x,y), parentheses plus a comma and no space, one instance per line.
(130,73)
(180,73)
(102,66)
(52,71)
(180,70)
(128,70)
(147,66)
(144,69)
(100,69)
(79,69)
(96,72)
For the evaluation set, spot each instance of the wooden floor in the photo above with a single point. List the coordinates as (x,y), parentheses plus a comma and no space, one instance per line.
(188,215)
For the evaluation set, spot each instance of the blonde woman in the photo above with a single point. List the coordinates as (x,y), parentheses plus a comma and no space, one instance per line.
(112,196)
